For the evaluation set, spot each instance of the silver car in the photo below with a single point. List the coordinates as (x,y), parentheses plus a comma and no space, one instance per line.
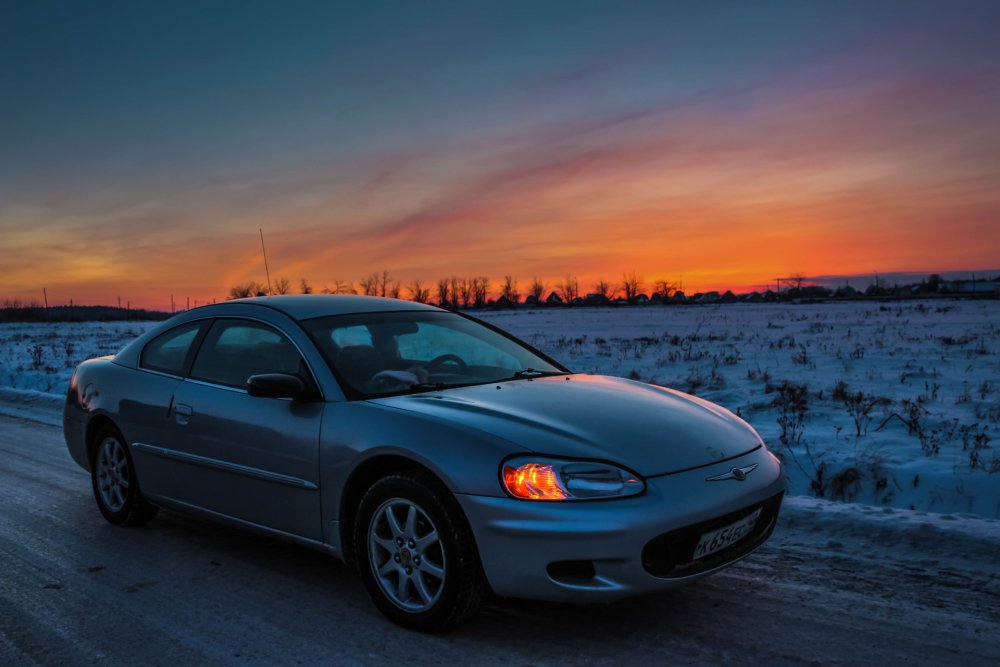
(443,457)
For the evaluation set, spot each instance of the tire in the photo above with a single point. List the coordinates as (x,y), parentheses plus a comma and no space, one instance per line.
(116,487)
(423,570)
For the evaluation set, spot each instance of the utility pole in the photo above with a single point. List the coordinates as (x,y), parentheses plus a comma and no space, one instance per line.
(172,308)
(267,271)
(188,303)
(45,295)
(119,303)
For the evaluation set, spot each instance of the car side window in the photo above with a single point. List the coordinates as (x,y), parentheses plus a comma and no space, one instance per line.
(234,350)
(168,352)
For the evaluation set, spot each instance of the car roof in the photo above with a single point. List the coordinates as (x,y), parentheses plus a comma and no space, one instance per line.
(306,306)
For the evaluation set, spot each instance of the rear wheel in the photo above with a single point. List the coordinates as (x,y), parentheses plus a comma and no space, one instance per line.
(116,487)
(416,553)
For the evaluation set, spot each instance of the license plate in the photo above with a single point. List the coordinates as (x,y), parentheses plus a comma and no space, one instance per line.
(721,538)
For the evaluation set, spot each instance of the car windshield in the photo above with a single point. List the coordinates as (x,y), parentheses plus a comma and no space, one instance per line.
(383,354)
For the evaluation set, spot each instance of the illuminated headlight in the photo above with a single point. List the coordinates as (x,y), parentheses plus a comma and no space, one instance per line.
(536,478)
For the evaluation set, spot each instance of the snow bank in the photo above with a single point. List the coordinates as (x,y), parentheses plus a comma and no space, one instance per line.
(36,405)
(837,525)
(41,356)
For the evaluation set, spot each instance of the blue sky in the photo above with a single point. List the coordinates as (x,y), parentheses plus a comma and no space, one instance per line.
(526,138)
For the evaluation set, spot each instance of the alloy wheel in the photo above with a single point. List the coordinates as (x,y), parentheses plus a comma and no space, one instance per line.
(406,555)
(112,474)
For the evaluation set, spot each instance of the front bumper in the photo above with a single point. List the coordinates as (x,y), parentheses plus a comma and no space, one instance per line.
(594,550)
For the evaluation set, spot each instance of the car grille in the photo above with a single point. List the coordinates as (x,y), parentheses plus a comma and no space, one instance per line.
(670,555)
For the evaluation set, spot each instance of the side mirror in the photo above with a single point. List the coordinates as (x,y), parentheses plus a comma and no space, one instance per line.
(275,385)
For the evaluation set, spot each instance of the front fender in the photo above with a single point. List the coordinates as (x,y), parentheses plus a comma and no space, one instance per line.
(358,431)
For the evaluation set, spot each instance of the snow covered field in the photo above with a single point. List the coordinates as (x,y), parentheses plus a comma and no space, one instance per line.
(41,357)
(881,403)
(893,404)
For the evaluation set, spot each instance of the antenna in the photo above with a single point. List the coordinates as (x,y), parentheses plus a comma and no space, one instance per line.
(267,271)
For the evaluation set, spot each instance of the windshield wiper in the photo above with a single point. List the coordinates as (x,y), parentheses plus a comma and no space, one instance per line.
(420,387)
(534,373)
(433,386)
(428,386)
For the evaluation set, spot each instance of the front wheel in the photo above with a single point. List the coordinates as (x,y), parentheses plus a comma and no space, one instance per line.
(416,553)
(116,488)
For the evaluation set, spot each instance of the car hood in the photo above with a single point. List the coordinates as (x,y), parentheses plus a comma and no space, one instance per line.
(648,429)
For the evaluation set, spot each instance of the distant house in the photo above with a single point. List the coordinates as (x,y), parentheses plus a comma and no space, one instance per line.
(594,299)
(621,301)
(657,298)
(531,300)
(577,301)
(555,300)
(642,299)
(503,302)
(971,287)
(728,297)
(808,292)
(845,292)
(707,297)
(678,297)
(770,295)
(753,297)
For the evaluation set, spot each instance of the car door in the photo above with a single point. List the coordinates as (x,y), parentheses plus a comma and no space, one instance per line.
(144,405)
(251,458)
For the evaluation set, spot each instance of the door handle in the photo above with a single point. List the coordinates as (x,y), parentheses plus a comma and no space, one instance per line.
(182,413)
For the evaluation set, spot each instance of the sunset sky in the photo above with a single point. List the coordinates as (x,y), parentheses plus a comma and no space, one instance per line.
(142,144)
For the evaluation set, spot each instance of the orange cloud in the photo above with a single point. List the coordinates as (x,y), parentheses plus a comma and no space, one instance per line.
(886,177)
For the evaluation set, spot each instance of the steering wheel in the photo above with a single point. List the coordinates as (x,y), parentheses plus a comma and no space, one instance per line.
(443,359)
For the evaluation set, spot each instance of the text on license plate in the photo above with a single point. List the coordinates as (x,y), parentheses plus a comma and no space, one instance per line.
(721,538)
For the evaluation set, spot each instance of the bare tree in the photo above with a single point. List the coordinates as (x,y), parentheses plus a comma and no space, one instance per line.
(282,286)
(605,289)
(384,288)
(508,289)
(418,292)
(444,292)
(797,279)
(465,291)
(664,287)
(537,289)
(392,291)
(480,291)
(630,286)
(305,287)
(341,287)
(369,285)
(247,289)
(569,289)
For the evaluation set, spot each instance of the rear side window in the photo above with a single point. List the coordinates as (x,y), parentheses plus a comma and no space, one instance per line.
(168,352)
(234,350)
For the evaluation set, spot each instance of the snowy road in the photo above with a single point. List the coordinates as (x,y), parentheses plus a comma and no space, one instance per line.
(834,586)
